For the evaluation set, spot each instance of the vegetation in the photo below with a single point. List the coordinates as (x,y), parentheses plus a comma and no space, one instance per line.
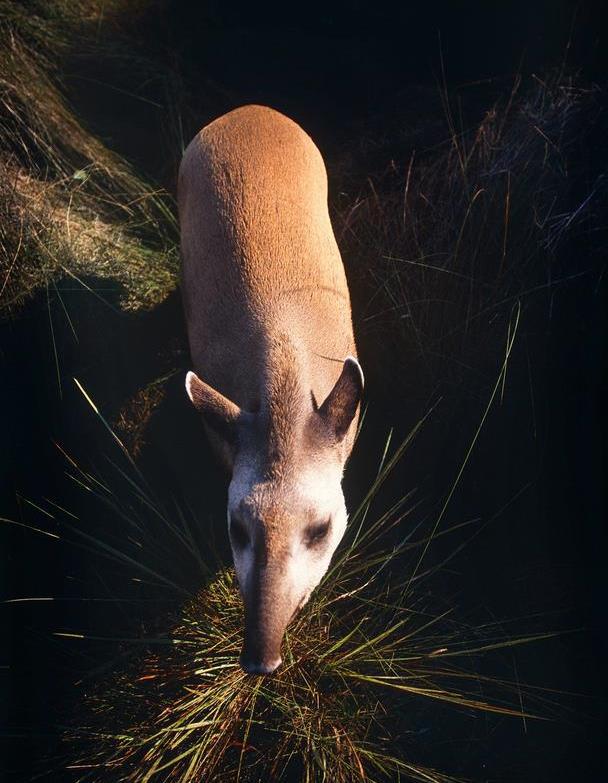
(448,238)
(134,417)
(446,249)
(69,206)
(358,660)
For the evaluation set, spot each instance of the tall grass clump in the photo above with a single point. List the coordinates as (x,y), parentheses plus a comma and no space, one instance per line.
(358,662)
(361,660)
(448,237)
(69,206)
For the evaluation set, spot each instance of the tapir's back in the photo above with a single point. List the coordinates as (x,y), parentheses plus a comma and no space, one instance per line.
(259,255)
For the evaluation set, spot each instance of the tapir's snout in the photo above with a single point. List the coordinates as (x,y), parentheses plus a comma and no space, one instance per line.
(259,657)
(266,617)
(259,666)
(261,652)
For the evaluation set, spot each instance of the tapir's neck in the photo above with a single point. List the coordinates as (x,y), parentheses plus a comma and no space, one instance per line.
(285,399)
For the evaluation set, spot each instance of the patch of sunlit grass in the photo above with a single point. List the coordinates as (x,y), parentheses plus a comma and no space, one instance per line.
(359,659)
(354,660)
(70,207)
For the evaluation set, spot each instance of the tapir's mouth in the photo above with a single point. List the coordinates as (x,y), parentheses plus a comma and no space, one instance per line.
(259,667)
(262,657)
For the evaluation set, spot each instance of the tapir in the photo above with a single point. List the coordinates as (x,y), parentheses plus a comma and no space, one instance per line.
(275,376)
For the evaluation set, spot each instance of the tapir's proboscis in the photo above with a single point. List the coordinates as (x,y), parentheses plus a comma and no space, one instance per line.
(275,376)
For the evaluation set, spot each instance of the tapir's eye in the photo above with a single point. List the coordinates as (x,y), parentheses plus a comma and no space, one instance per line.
(238,533)
(315,534)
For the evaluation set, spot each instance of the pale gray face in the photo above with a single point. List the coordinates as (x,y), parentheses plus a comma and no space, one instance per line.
(286,511)
(283,535)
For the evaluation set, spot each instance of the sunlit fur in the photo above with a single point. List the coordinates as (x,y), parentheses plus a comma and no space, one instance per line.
(276,379)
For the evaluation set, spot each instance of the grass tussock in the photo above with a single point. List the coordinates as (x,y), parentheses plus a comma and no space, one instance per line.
(357,664)
(69,206)
(347,696)
(361,660)
(449,238)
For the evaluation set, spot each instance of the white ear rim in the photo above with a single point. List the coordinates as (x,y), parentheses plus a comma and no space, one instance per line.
(355,361)
(190,376)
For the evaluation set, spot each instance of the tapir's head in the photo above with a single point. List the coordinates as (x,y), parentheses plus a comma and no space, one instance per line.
(286,512)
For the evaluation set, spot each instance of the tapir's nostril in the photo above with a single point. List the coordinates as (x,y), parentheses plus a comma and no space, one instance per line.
(259,667)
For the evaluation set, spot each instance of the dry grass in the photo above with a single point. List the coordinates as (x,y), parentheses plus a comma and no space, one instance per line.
(366,663)
(69,206)
(449,238)
(357,663)
(360,660)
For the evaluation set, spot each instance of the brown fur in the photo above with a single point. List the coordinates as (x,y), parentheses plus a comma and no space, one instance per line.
(269,324)
(265,293)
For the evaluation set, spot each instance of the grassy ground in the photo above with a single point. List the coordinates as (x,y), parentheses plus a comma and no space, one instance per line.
(70,207)
(446,240)
(368,649)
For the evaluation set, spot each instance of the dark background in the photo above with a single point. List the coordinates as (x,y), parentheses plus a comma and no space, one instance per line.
(339,69)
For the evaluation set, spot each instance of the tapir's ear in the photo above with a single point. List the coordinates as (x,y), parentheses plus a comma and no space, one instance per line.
(219,412)
(340,407)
